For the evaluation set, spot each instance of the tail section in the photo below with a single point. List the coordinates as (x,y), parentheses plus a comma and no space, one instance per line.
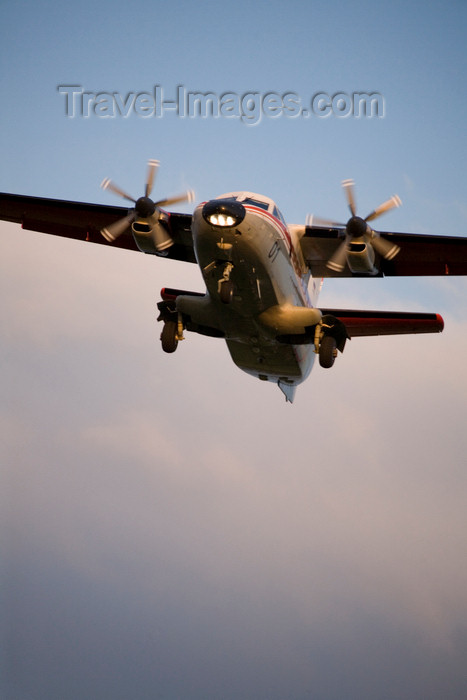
(288,390)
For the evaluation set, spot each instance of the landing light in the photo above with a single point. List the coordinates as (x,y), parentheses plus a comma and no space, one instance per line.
(223,213)
(221,220)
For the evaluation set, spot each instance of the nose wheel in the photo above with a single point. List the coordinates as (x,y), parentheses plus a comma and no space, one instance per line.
(226,291)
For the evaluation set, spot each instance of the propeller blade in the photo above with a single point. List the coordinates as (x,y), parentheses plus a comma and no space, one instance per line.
(145,209)
(113,231)
(187,196)
(358,229)
(349,190)
(338,261)
(313,221)
(153,166)
(384,207)
(107,184)
(384,247)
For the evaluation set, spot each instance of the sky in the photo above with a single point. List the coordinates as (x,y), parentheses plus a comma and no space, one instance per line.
(171,528)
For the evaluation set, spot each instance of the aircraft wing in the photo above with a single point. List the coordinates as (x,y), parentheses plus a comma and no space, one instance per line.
(83,222)
(419,254)
(361,323)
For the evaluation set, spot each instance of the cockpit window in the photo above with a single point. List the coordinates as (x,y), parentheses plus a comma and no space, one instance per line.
(256,203)
(278,215)
(251,198)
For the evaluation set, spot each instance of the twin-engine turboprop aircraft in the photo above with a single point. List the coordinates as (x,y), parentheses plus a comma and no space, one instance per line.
(262,276)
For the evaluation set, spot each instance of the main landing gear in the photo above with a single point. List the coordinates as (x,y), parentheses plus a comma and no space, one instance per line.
(327,351)
(169,336)
(330,336)
(172,330)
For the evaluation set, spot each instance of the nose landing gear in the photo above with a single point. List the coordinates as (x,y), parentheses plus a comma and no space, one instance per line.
(226,286)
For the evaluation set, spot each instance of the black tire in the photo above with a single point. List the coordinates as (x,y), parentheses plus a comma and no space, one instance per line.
(169,336)
(226,291)
(327,350)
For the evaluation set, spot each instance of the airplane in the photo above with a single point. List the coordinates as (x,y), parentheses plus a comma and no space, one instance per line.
(262,276)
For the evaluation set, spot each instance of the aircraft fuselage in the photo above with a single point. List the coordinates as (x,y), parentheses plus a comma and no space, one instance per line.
(256,286)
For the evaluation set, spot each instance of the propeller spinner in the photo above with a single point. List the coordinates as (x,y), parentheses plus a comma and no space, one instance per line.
(358,229)
(146,214)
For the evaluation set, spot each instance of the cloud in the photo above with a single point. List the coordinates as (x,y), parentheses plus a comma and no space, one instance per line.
(174,527)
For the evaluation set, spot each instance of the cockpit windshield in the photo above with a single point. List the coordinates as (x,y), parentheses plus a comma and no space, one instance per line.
(255,200)
(278,215)
(256,203)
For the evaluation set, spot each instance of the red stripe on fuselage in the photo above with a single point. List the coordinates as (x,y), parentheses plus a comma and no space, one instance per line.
(275,220)
(286,234)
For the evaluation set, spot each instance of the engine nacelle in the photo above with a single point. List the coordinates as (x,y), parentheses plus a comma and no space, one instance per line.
(151,234)
(361,257)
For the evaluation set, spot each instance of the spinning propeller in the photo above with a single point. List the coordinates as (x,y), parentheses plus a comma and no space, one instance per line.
(358,230)
(146,214)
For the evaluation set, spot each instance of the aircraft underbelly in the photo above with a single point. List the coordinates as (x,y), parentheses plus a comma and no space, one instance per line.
(272,362)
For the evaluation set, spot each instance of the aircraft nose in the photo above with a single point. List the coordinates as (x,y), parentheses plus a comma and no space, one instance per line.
(223,212)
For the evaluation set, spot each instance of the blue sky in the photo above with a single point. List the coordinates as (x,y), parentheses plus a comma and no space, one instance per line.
(172,529)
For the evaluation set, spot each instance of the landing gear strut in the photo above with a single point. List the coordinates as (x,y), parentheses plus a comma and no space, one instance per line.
(226,286)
